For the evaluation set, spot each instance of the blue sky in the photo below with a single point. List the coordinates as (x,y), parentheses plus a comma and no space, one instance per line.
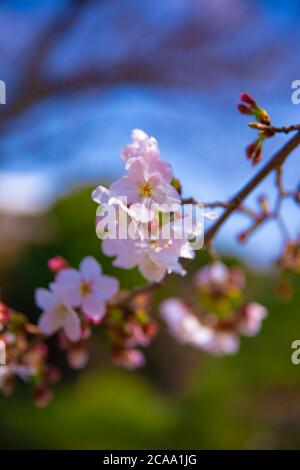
(174,68)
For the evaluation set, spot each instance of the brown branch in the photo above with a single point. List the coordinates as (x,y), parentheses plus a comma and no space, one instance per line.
(271,130)
(276,161)
(211,205)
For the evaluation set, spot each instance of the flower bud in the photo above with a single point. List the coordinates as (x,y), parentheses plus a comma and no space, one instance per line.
(78,357)
(263,117)
(244,109)
(246,98)
(242,237)
(42,396)
(254,151)
(5,313)
(57,263)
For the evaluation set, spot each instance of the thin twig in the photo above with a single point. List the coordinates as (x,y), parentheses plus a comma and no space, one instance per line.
(276,161)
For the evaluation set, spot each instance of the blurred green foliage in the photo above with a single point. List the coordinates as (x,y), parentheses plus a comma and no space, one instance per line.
(183,399)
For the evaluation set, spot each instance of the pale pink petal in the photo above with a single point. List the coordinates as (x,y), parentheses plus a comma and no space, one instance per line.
(138,171)
(110,247)
(141,212)
(106,287)
(151,271)
(164,169)
(72,326)
(139,135)
(67,286)
(90,268)
(125,188)
(44,298)
(165,195)
(101,195)
(94,307)
(50,322)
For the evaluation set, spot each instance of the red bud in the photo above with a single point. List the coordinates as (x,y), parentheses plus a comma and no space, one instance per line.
(57,263)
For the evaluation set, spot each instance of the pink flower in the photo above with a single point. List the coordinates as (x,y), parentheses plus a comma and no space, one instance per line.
(89,288)
(144,187)
(146,147)
(183,324)
(58,313)
(186,328)
(252,316)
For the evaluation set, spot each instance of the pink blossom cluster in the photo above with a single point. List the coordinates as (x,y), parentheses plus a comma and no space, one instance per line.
(146,199)
(25,359)
(209,331)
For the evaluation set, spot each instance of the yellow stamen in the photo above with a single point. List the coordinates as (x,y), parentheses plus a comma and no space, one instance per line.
(146,189)
(85,288)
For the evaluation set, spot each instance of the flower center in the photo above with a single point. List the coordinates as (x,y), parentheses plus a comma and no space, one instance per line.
(62,309)
(85,288)
(145,189)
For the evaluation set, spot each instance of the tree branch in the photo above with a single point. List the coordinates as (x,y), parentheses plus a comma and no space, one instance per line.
(276,161)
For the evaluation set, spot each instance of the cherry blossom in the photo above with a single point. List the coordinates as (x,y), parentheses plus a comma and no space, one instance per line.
(146,147)
(88,287)
(184,325)
(58,312)
(145,190)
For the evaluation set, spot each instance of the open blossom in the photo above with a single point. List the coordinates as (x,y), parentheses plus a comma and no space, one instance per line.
(146,185)
(145,190)
(58,311)
(88,287)
(146,147)
(183,324)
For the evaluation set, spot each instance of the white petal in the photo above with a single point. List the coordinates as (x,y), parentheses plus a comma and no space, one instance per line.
(90,268)
(72,326)
(50,322)
(94,307)
(151,271)
(106,287)
(44,298)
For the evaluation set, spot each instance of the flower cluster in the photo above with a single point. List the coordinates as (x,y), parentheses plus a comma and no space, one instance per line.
(24,358)
(149,207)
(217,333)
(130,329)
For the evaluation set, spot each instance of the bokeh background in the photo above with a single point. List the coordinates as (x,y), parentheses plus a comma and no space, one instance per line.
(80,75)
